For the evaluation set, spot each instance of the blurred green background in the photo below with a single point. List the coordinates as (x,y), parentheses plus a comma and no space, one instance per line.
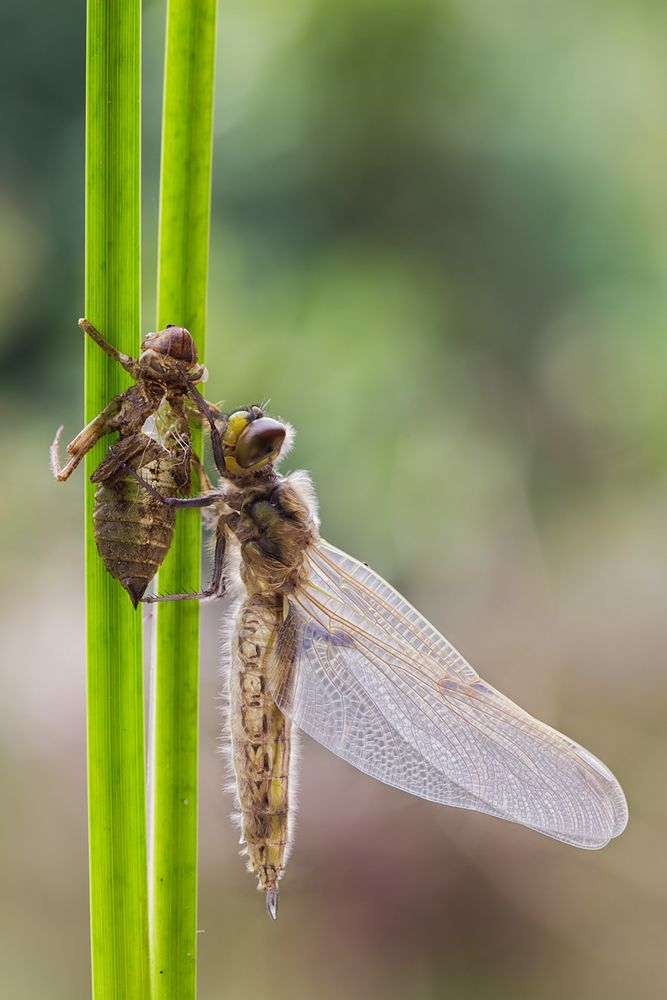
(439,249)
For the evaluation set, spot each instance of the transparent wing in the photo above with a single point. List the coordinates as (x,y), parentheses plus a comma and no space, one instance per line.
(360,670)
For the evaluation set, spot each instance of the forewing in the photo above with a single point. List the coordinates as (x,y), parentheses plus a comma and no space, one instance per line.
(360,670)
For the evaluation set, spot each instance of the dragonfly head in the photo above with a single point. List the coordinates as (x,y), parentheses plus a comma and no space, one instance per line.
(252,441)
(165,354)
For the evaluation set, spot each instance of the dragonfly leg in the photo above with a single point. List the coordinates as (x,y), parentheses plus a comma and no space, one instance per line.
(216,587)
(178,503)
(210,412)
(104,423)
(128,363)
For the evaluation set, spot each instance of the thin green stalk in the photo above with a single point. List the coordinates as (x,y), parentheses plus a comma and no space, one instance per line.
(185,196)
(116,764)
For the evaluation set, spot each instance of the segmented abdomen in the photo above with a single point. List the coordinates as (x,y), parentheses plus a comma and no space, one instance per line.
(133,530)
(261,741)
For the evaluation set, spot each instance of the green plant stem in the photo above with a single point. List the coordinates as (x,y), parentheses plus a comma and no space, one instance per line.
(115,705)
(185,195)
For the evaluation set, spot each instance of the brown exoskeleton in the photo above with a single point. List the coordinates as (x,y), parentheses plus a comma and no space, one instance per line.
(132,530)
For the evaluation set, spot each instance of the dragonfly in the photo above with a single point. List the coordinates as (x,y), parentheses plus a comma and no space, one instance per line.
(321,643)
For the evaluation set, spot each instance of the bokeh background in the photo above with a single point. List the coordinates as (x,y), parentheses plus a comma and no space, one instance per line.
(439,248)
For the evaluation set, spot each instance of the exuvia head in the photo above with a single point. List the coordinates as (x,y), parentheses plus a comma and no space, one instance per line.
(166,353)
(251,441)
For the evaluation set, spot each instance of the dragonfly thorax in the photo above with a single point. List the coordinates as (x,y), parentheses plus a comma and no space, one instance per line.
(274,527)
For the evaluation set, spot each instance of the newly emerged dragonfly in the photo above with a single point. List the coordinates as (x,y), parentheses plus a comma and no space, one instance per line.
(132,531)
(321,642)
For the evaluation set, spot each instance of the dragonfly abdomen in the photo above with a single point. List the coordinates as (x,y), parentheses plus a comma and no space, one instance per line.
(133,531)
(261,744)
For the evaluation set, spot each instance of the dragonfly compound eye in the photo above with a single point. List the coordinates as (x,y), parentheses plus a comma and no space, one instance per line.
(259,442)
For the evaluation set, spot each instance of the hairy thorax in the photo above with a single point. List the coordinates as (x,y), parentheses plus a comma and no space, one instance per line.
(274,527)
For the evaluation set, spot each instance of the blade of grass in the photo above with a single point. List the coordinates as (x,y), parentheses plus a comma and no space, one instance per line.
(185,196)
(115,705)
